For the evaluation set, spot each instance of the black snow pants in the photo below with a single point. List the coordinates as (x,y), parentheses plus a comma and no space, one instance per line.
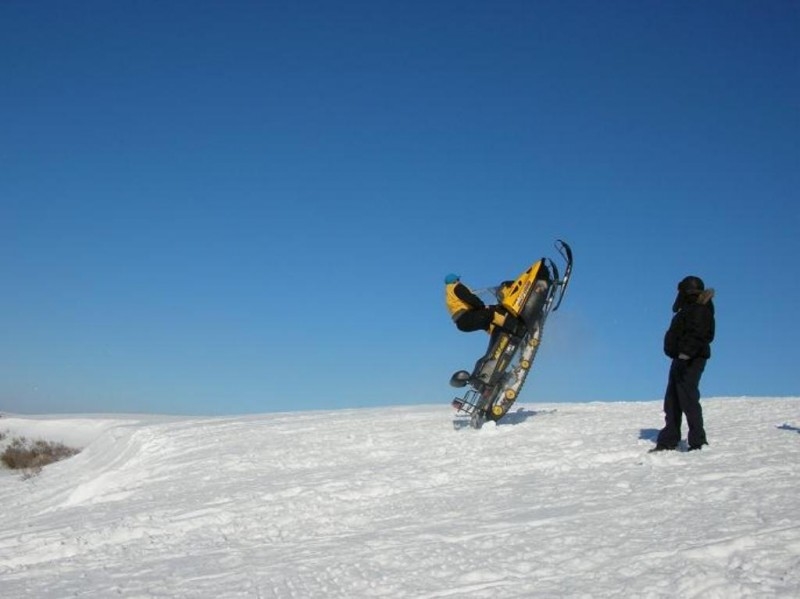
(683,397)
(475,320)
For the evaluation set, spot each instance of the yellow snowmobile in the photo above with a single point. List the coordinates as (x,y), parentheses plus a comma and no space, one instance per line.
(498,376)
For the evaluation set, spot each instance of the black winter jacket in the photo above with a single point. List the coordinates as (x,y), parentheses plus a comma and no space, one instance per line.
(692,328)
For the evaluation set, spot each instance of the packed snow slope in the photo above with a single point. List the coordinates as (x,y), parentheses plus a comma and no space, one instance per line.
(558,500)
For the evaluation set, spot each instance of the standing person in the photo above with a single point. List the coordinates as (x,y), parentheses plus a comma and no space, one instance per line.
(688,343)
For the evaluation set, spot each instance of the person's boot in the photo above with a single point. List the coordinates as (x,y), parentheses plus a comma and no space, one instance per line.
(510,323)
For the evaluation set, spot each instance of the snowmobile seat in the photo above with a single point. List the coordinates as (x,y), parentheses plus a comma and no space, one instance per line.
(484,369)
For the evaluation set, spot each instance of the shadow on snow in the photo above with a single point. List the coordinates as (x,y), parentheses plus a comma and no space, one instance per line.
(521,415)
(649,434)
(788,427)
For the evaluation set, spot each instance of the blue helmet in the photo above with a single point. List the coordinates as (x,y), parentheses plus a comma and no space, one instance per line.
(451,278)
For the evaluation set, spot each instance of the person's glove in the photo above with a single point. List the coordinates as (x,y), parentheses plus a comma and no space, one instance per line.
(683,357)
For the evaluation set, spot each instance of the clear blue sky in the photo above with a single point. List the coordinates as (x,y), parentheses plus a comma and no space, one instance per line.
(230,207)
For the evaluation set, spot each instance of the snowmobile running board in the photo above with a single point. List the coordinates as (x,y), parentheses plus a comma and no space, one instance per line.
(498,377)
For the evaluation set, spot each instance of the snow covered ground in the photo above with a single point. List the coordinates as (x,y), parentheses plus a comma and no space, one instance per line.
(558,500)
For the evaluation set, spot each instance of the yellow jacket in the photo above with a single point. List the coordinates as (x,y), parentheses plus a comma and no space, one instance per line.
(460,299)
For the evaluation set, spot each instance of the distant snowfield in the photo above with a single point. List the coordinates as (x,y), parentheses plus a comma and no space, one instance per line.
(558,500)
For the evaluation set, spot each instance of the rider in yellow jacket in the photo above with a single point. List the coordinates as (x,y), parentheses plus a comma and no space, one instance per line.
(468,310)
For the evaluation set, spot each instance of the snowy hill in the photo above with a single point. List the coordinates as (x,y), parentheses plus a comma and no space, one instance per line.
(558,500)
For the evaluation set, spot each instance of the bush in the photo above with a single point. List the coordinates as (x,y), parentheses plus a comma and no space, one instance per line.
(34,455)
